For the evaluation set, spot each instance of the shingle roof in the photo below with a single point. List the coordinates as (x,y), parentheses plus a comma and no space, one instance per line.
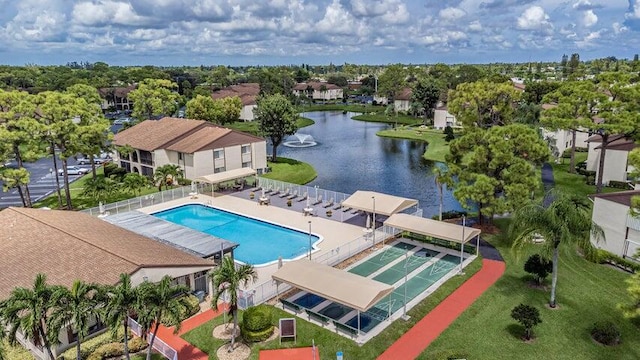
(620,197)
(620,144)
(182,135)
(404,94)
(69,245)
(316,85)
(247,93)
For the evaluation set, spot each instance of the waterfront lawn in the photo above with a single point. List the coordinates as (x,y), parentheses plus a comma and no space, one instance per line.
(290,170)
(328,341)
(393,119)
(251,127)
(587,293)
(437,148)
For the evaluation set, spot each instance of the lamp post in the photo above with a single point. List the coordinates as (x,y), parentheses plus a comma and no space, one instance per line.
(309,240)
(374,220)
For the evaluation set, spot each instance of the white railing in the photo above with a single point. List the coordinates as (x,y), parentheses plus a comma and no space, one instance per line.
(158,345)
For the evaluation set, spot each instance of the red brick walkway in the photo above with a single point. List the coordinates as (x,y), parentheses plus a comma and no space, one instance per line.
(305,353)
(414,341)
(186,350)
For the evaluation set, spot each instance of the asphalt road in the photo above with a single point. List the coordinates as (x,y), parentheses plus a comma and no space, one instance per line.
(43,182)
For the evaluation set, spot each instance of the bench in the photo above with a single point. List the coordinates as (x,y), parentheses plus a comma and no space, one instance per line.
(319,317)
(345,328)
(291,306)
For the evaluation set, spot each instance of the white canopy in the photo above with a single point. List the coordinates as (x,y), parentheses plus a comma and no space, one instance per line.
(437,229)
(226,176)
(385,204)
(343,287)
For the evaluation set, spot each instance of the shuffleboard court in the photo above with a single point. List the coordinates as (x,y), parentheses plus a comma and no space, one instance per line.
(378,261)
(397,271)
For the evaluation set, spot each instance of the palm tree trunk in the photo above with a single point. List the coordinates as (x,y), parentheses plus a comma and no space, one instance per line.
(572,163)
(67,189)
(153,338)
(554,276)
(235,327)
(126,338)
(603,151)
(78,357)
(45,342)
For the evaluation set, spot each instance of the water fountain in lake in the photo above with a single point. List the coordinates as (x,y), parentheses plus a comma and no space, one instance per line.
(298,140)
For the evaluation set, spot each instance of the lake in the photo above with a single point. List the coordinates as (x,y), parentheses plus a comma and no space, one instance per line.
(349,156)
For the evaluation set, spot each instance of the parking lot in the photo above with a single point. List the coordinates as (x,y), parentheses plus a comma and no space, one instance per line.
(43,182)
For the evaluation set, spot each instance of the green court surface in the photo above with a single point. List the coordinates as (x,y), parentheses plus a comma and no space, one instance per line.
(397,271)
(381,259)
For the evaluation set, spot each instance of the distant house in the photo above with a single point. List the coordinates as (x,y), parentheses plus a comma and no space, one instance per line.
(318,90)
(442,118)
(621,230)
(199,147)
(116,98)
(616,163)
(248,94)
(68,246)
(402,100)
(560,140)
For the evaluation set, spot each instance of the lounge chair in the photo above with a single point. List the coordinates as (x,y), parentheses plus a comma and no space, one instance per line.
(286,304)
(337,207)
(355,211)
(329,203)
(255,189)
(347,209)
(268,190)
(318,200)
(275,192)
(285,194)
(293,196)
(304,197)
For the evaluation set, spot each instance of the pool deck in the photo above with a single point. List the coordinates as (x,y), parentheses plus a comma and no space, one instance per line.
(334,234)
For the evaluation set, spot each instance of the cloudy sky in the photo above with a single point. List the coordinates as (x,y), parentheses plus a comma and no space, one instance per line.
(248,32)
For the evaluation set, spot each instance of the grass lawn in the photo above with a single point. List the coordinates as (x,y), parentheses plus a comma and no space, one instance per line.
(144,356)
(360,108)
(394,119)
(289,170)
(587,293)
(251,127)
(437,148)
(574,184)
(81,202)
(329,342)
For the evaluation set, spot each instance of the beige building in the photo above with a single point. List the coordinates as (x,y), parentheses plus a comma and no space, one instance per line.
(198,147)
(443,118)
(248,94)
(616,162)
(68,246)
(116,98)
(318,90)
(402,100)
(621,230)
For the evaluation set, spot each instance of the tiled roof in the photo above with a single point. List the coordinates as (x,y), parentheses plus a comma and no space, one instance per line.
(622,144)
(182,135)
(121,91)
(316,85)
(404,94)
(67,246)
(247,93)
(620,197)
(598,138)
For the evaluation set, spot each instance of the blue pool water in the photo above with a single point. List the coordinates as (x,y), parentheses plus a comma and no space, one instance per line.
(260,242)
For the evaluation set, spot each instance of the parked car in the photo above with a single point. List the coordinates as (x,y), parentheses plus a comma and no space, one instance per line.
(97,160)
(73,170)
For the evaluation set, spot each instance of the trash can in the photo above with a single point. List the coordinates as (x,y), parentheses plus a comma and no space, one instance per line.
(339,355)
(200,295)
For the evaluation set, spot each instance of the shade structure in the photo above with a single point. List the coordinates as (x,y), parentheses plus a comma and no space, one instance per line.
(345,288)
(226,176)
(385,204)
(437,229)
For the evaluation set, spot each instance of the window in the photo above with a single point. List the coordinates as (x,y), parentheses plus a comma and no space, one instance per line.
(246,164)
(219,170)
(180,156)
(246,149)
(218,154)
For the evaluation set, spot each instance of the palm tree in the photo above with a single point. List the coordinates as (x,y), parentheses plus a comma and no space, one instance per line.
(440,178)
(122,302)
(27,311)
(166,172)
(134,182)
(228,277)
(99,188)
(76,307)
(566,220)
(160,302)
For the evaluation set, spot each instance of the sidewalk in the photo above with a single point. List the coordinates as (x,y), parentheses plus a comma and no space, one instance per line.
(414,341)
(184,349)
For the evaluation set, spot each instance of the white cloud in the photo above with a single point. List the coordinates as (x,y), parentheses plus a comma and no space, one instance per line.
(589,18)
(106,12)
(618,28)
(534,18)
(475,26)
(589,39)
(451,14)
(338,21)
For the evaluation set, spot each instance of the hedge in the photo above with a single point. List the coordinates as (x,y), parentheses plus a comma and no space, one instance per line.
(89,346)
(257,323)
(618,184)
(602,256)
(115,349)
(192,309)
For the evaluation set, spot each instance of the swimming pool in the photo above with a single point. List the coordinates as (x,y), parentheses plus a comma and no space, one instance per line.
(260,242)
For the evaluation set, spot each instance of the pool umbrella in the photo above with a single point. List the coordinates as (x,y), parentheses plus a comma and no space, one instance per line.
(263,194)
(101,207)
(279,262)
(368,223)
(308,202)
(194,187)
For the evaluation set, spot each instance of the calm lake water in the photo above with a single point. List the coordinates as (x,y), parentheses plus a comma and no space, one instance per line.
(349,157)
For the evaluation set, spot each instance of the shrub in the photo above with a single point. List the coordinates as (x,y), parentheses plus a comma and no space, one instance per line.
(539,267)
(89,346)
(107,351)
(618,184)
(184,182)
(602,256)
(192,308)
(452,214)
(527,316)
(137,344)
(112,170)
(257,323)
(448,132)
(606,333)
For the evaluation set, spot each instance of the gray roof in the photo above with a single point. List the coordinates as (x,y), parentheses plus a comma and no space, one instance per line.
(178,236)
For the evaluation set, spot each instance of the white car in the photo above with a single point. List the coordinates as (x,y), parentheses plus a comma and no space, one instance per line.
(96,160)
(73,170)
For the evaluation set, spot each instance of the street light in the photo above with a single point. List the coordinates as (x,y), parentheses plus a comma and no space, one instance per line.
(309,240)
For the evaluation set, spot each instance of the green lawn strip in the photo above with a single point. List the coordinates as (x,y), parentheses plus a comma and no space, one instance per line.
(574,184)
(393,119)
(328,341)
(290,170)
(143,356)
(437,148)
(587,293)
(251,127)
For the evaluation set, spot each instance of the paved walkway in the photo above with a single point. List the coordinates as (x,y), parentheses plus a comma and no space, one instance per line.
(305,353)
(414,341)
(186,350)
